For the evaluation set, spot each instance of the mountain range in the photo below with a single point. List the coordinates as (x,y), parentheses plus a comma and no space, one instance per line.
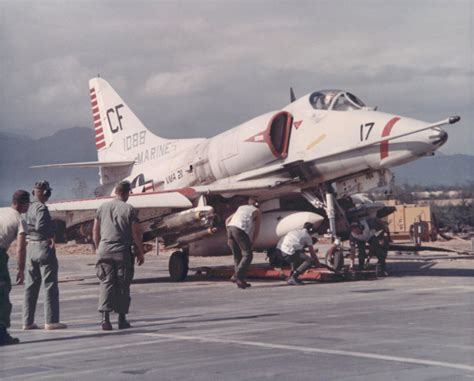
(18,153)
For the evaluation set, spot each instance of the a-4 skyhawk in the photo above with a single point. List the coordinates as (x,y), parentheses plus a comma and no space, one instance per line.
(302,162)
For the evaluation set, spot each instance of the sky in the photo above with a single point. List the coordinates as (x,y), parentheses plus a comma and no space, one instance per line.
(197,68)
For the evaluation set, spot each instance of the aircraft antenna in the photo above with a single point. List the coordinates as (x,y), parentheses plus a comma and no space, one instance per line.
(292,95)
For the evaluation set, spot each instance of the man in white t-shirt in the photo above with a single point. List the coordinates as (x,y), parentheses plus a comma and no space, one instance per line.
(292,246)
(12,227)
(242,230)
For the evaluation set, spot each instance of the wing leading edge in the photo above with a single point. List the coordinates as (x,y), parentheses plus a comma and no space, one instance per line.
(167,200)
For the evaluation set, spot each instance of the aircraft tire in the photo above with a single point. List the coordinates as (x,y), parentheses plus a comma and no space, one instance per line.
(335,258)
(178,266)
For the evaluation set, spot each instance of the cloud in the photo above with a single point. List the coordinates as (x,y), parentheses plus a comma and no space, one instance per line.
(58,79)
(177,83)
(230,61)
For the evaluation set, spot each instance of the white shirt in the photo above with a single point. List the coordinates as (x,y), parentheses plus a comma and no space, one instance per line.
(295,240)
(366,234)
(11,225)
(243,219)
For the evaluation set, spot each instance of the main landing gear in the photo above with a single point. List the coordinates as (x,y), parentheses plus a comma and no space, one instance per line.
(178,265)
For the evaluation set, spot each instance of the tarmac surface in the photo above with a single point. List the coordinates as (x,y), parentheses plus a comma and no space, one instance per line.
(416,324)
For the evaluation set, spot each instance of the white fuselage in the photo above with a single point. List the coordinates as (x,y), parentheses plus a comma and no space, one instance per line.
(313,134)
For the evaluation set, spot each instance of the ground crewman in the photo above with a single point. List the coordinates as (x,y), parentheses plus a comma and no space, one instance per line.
(41,262)
(363,232)
(242,230)
(116,229)
(12,227)
(292,246)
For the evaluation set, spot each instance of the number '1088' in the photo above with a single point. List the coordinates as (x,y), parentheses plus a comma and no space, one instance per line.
(135,140)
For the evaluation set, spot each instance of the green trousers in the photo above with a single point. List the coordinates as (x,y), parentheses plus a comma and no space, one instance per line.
(241,246)
(41,268)
(5,287)
(299,261)
(115,276)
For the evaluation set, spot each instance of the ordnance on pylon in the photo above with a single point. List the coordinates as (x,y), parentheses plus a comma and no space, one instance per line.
(191,237)
(199,217)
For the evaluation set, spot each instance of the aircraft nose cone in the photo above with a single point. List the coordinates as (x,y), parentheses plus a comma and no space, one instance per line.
(439,137)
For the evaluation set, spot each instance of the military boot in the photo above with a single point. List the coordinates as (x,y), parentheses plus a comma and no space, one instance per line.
(293,279)
(6,339)
(122,322)
(106,325)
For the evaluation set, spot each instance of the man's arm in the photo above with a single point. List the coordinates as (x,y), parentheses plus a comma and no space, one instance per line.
(21,257)
(96,233)
(137,240)
(312,252)
(257,221)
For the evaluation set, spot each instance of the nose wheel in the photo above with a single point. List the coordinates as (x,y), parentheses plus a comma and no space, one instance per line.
(178,266)
(335,258)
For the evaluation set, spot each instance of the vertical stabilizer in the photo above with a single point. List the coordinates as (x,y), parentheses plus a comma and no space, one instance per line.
(118,131)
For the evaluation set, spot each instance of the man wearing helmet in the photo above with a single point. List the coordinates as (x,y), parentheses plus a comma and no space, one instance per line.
(292,247)
(364,232)
(41,262)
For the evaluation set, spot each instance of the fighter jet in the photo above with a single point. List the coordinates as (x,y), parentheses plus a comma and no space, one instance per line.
(303,162)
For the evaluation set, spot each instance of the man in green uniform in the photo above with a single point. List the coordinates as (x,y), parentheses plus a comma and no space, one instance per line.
(41,262)
(11,226)
(116,229)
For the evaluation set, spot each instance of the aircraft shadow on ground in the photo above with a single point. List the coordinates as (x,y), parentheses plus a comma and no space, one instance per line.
(141,329)
(408,269)
(202,280)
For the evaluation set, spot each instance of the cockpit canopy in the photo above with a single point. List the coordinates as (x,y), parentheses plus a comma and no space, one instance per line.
(336,100)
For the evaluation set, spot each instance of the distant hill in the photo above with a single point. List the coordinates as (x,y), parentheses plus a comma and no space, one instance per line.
(437,170)
(18,153)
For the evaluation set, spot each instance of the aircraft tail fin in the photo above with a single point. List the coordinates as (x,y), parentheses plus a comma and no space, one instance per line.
(119,134)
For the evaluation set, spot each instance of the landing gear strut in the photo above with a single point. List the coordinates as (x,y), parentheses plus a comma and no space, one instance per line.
(178,265)
(335,255)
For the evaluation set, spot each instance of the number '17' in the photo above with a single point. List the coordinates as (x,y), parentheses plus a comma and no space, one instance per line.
(368,127)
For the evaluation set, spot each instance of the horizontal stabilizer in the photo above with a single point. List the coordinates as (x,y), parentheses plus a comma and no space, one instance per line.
(88,164)
(139,201)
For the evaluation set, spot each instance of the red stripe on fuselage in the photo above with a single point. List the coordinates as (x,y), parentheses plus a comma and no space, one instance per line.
(100,145)
(386,132)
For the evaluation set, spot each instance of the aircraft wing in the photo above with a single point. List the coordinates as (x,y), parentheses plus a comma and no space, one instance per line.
(150,205)
(174,200)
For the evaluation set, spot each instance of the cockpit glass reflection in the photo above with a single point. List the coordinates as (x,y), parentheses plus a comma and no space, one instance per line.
(336,100)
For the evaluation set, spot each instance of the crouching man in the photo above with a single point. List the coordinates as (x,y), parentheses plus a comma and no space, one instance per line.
(363,233)
(292,246)
(115,229)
